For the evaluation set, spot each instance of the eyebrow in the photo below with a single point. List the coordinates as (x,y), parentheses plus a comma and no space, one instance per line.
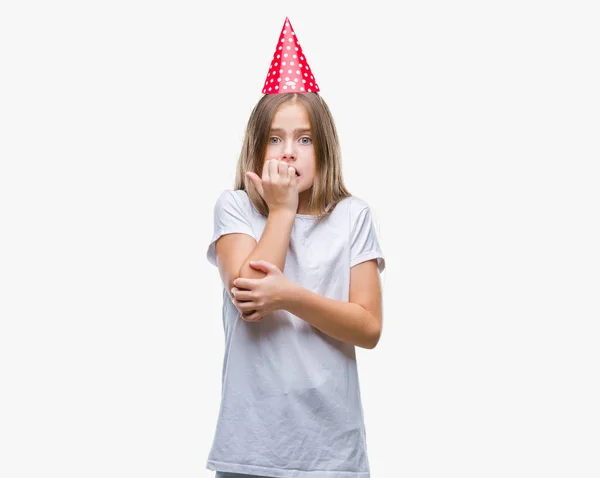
(297,130)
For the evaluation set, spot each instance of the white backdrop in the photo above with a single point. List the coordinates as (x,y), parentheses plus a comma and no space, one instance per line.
(471,129)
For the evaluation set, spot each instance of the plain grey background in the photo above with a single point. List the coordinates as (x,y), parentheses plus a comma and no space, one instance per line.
(471,128)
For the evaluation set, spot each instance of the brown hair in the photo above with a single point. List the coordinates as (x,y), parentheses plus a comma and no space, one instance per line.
(328,188)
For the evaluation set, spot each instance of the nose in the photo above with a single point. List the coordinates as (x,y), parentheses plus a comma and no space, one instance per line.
(289,150)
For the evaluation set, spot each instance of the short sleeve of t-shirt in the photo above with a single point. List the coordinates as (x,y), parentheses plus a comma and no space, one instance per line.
(364,244)
(230,216)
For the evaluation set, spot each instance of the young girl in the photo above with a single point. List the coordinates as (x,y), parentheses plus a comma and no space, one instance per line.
(300,261)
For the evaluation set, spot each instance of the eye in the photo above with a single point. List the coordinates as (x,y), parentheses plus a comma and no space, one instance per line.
(309,140)
(274,138)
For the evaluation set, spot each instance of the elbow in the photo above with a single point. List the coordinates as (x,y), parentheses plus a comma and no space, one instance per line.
(373,340)
(230,285)
(377,337)
(375,334)
(245,272)
(248,272)
(371,330)
(241,273)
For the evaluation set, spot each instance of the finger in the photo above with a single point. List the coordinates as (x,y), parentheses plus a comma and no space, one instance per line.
(236,303)
(267,170)
(243,316)
(256,182)
(246,306)
(283,169)
(241,295)
(291,173)
(243,283)
(272,169)
(254,317)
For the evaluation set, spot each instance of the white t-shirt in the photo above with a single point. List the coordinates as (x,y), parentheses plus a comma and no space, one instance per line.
(290,396)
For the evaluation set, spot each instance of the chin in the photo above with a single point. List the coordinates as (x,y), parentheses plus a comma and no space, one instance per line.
(301,181)
(303,188)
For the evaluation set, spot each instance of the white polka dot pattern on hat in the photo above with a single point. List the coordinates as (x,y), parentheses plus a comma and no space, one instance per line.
(286,38)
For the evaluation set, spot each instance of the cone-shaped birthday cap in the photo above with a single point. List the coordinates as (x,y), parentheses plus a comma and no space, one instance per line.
(289,71)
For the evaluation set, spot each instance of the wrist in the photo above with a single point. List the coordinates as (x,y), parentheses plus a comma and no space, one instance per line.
(282,212)
(290,291)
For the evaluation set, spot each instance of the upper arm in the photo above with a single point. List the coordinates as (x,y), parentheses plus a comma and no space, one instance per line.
(233,236)
(366,264)
(365,290)
(231,252)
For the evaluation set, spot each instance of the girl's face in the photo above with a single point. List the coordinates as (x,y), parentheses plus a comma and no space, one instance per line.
(290,140)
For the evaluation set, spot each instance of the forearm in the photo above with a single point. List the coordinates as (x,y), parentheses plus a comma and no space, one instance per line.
(345,321)
(273,244)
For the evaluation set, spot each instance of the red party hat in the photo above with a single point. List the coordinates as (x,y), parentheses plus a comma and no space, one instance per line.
(289,71)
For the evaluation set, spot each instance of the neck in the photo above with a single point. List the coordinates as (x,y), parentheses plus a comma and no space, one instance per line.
(303,199)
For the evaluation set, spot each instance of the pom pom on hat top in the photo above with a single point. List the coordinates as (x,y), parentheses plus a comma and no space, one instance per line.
(289,71)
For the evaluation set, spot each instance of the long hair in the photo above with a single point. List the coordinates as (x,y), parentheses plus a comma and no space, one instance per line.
(328,188)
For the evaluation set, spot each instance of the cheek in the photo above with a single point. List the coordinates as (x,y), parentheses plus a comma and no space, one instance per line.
(271,149)
(268,153)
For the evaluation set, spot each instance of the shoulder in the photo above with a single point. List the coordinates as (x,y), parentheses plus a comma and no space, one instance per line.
(356,204)
(362,215)
(235,202)
(233,197)
(349,204)
(356,208)
(347,210)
